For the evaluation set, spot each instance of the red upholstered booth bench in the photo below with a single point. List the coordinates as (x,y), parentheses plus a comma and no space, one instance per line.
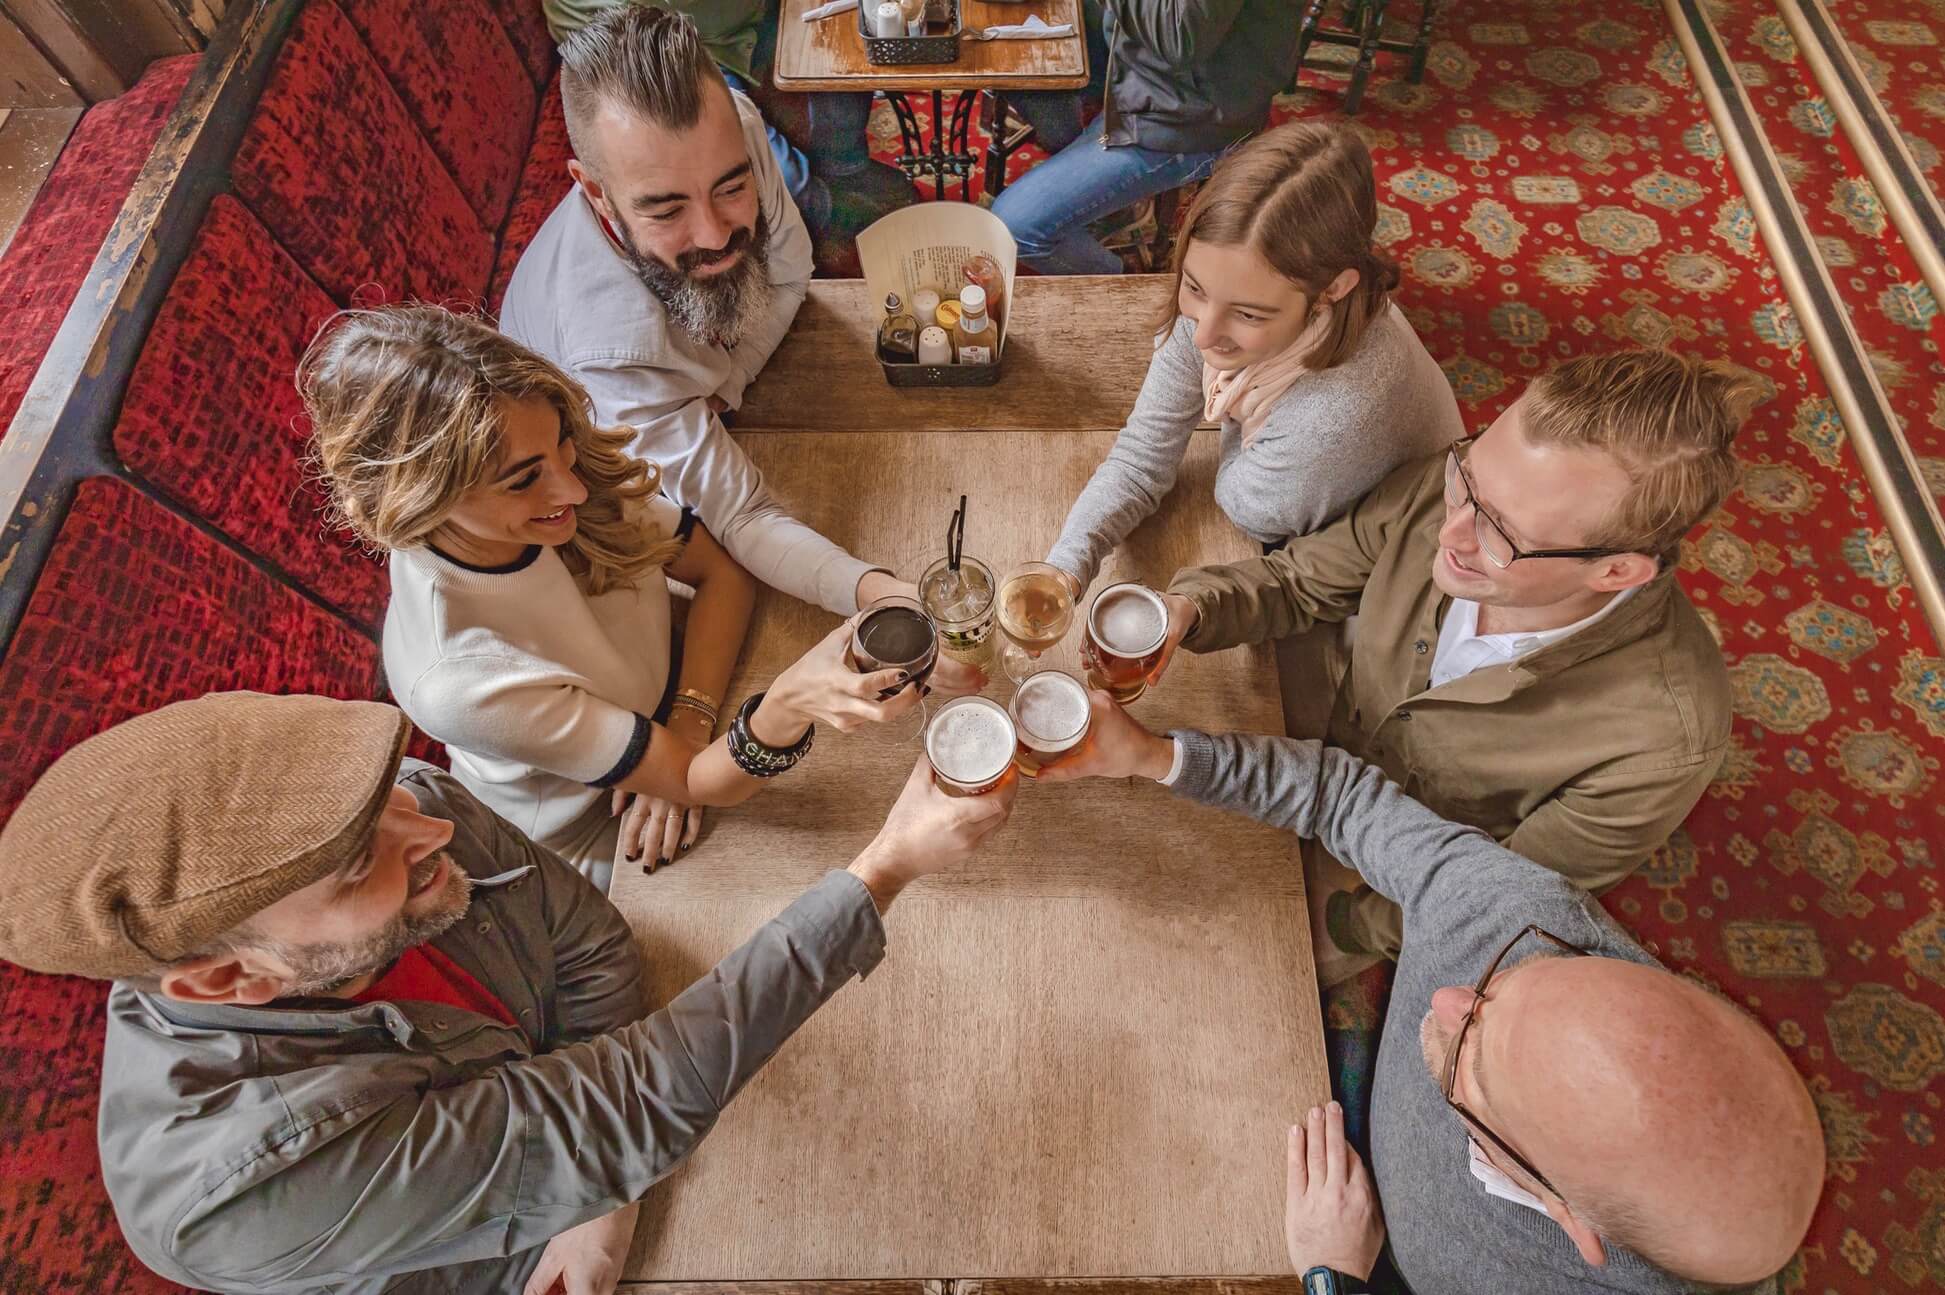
(160,538)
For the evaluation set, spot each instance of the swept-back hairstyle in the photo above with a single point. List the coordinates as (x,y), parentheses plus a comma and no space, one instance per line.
(648,60)
(408,413)
(1303,198)
(1669,419)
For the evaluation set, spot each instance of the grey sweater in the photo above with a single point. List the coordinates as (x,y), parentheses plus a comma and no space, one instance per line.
(1334,435)
(1463,897)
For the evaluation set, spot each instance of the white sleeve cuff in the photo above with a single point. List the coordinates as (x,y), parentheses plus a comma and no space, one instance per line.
(1174,764)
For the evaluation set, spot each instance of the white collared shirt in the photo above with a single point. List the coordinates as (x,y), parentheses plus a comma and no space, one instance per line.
(1462,649)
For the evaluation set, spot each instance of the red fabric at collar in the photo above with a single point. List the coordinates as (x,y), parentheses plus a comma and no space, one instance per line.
(425,975)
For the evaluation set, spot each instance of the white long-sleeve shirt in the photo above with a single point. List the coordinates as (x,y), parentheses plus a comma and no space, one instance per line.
(577,301)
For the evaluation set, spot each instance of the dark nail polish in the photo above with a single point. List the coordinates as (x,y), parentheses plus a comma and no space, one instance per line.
(925,690)
(686,845)
(661,863)
(634,855)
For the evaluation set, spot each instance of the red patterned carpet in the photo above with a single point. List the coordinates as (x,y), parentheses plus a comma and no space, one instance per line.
(1555,187)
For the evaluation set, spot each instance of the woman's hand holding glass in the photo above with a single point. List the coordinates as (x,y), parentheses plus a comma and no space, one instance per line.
(820,687)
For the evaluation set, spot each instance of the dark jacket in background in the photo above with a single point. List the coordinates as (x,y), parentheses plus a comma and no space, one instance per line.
(1195,76)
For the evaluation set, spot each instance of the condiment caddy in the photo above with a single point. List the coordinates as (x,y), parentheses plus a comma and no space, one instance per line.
(941,275)
(901,32)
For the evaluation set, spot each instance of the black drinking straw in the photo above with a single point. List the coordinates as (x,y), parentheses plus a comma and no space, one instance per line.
(955,535)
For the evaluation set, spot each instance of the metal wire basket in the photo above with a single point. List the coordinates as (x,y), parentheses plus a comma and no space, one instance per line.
(897,51)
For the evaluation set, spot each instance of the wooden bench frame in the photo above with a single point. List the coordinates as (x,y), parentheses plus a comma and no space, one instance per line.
(63,431)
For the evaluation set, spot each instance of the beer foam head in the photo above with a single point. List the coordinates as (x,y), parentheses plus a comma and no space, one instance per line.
(1051,705)
(1129,620)
(970,740)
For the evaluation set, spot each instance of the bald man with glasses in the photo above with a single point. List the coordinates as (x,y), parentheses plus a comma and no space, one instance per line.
(1523,660)
(1552,1111)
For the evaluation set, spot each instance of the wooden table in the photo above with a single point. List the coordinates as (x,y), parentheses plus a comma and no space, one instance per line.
(828,55)
(1083,1048)
(1076,353)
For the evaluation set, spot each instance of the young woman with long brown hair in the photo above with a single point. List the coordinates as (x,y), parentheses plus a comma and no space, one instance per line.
(529,626)
(1283,331)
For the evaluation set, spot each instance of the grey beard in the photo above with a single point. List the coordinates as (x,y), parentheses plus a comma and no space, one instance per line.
(717,311)
(321,968)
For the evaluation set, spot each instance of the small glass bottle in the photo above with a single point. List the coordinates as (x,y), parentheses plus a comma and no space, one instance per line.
(983,269)
(972,339)
(898,335)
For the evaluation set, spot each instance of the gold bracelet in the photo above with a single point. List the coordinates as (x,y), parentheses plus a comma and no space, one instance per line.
(708,713)
(702,699)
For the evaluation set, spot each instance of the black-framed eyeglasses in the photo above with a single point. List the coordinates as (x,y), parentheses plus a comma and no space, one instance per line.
(1458,1046)
(1495,543)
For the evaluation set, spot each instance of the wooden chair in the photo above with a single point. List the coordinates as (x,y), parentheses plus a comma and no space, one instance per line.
(1363,30)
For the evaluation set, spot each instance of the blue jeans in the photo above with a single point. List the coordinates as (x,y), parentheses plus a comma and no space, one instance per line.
(790,159)
(1049,208)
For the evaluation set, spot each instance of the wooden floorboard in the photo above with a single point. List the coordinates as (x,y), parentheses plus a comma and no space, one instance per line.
(30,143)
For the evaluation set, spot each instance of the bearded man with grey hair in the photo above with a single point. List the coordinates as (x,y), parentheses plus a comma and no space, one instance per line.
(666,277)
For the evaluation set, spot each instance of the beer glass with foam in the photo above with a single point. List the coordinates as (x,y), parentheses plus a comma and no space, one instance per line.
(1126,628)
(1050,715)
(970,744)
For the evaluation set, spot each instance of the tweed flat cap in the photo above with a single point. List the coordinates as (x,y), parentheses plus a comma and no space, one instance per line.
(147,841)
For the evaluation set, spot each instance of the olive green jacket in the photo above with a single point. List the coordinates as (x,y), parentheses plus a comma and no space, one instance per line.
(1583,756)
(324,1145)
(729,27)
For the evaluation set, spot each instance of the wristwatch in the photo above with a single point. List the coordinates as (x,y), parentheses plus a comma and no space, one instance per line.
(1328,1281)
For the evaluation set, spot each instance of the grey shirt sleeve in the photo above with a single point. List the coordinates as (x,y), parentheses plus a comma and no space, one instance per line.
(1436,871)
(1140,470)
(535,1146)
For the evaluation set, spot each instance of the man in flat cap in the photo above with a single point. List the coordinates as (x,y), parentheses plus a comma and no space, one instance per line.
(366,1036)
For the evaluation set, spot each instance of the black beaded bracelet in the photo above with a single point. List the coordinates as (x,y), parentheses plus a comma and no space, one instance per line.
(757,758)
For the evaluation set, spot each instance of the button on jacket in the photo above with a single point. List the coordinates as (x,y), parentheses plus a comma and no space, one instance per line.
(1583,755)
(317,1144)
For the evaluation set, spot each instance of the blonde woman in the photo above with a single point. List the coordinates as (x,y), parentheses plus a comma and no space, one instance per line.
(529,625)
(1282,331)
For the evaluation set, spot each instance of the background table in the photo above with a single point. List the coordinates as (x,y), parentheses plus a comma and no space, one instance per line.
(1077,350)
(828,55)
(1082,1051)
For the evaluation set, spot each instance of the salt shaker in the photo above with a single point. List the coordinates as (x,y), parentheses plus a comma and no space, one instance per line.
(934,346)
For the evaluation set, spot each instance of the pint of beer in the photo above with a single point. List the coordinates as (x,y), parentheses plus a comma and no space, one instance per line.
(1126,628)
(970,744)
(1050,715)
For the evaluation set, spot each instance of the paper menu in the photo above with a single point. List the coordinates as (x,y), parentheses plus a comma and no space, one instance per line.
(927,245)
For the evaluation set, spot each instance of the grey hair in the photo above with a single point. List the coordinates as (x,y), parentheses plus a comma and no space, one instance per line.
(648,60)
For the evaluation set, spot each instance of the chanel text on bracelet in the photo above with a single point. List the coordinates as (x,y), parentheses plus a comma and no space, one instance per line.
(756,757)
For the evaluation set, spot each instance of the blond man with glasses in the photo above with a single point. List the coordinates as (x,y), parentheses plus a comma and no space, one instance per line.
(1523,660)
